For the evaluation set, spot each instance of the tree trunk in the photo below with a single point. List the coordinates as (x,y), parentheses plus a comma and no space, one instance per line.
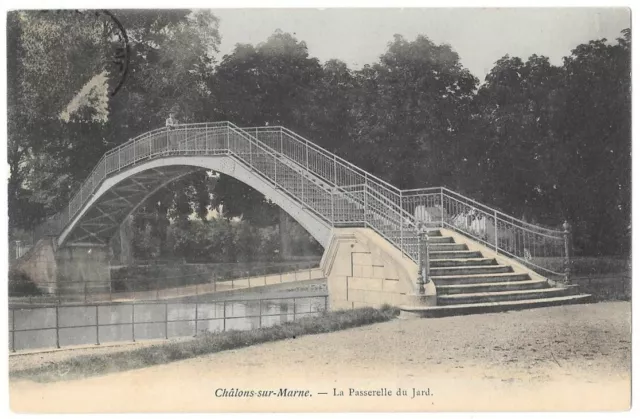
(126,240)
(285,239)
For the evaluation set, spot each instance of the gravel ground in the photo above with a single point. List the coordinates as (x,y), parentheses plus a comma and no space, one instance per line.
(560,358)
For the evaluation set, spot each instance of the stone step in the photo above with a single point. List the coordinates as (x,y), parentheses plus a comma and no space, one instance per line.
(455,254)
(512,285)
(435,236)
(410,233)
(442,247)
(440,240)
(486,297)
(462,279)
(442,263)
(407,312)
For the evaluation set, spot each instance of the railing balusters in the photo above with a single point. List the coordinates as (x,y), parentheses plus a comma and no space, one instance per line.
(224,315)
(333,217)
(97,326)
(495,228)
(196,326)
(402,249)
(567,250)
(133,321)
(275,170)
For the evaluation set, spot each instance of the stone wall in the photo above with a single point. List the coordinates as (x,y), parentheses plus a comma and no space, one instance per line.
(78,265)
(39,263)
(364,270)
(66,269)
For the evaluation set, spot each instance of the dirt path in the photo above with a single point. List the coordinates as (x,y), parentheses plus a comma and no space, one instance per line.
(560,358)
(213,288)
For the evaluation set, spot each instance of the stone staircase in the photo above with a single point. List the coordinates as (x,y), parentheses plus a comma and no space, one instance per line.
(468,282)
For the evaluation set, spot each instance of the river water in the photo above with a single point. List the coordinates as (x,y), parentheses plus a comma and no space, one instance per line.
(82,324)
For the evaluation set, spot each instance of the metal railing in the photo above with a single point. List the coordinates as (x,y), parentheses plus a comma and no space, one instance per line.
(336,191)
(21,248)
(542,249)
(395,213)
(58,326)
(424,276)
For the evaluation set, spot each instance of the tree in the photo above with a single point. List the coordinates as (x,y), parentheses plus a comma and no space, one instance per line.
(247,242)
(172,56)
(553,143)
(516,138)
(51,56)
(543,142)
(595,185)
(413,108)
(270,83)
(329,114)
(60,114)
(240,200)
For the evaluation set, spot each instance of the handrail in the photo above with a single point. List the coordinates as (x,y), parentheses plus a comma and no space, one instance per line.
(502,213)
(393,206)
(393,188)
(162,129)
(407,192)
(371,200)
(78,195)
(340,159)
(324,152)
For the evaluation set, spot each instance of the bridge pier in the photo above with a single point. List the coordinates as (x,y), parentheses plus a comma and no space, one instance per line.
(70,269)
(365,270)
(83,266)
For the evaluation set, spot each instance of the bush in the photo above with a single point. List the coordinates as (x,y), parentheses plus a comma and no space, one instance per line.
(219,240)
(20,284)
(586,266)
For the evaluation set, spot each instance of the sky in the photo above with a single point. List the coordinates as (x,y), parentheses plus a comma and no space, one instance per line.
(480,36)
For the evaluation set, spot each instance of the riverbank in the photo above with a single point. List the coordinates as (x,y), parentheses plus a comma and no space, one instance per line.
(49,369)
(557,358)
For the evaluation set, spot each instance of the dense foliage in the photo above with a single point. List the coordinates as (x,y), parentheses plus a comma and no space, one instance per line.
(542,142)
(20,284)
(222,240)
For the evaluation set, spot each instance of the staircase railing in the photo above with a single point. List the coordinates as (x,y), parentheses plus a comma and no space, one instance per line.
(339,192)
(388,209)
(543,249)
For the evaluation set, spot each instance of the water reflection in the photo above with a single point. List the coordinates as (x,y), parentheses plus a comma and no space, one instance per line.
(43,327)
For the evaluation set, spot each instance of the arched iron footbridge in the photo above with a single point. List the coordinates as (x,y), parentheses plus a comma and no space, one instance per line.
(317,188)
